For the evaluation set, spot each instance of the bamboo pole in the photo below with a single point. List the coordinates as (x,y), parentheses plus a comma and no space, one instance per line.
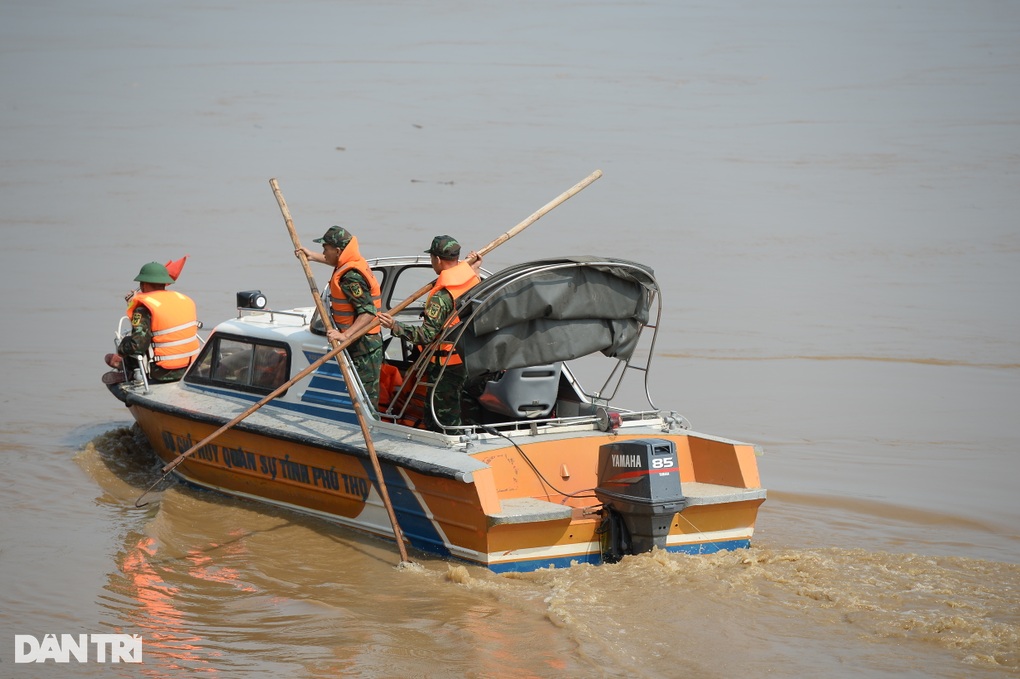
(347,372)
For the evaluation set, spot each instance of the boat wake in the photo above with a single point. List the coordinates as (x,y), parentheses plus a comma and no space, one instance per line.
(893,610)
(121,461)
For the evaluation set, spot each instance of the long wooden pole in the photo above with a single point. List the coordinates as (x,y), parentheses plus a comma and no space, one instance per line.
(312,367)
(346,370)
(539,213)
(531,219)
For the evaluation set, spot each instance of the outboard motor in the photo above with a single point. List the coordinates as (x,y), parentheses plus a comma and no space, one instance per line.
(639,487)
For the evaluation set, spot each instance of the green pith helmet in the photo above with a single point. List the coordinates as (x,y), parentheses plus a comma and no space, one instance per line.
(154,272)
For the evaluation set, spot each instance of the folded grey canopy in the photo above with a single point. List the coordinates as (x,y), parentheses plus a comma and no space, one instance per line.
(552,310)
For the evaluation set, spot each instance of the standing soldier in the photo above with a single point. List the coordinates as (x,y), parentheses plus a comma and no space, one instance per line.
(355,300)
(455,278)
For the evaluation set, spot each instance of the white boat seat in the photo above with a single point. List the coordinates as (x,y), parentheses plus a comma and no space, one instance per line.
(523,392)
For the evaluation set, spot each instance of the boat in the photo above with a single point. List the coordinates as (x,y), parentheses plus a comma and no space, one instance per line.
(545,473)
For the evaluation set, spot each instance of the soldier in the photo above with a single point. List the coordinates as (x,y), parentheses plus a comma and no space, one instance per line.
(455,278)
(355,299)
(162,321)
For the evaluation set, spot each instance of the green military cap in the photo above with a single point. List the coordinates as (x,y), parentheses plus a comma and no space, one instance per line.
(154,272)
(337,236)
(445,247)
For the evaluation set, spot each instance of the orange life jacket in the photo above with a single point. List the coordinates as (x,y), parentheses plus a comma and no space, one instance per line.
(390,380)
(456,280)
(410,405)
(341,309)
(174,327)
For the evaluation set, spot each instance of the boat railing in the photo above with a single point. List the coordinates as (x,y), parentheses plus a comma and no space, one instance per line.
(403,260)
(241,311)
(601,420)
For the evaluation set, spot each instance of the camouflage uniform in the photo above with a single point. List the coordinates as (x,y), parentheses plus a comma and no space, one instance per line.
(138,343)
(445,396)
(367,352)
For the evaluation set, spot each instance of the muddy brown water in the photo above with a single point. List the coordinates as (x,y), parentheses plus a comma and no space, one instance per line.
(827,193)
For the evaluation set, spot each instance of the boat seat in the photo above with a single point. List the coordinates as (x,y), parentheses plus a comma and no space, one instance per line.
(523,392)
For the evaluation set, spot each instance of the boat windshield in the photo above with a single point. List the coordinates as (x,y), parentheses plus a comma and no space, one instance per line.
(242,363)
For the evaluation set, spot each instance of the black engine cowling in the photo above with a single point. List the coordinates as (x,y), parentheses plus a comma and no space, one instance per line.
(639,487)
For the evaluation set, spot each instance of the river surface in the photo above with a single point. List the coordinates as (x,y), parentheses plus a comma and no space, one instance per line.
(829,194)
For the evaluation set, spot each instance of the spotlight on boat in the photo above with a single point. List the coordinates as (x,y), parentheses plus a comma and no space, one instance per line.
(251,299)
(639,487)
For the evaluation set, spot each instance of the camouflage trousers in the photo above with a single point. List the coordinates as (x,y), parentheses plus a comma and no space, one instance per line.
(446,396)
(156,374)
(368,364)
